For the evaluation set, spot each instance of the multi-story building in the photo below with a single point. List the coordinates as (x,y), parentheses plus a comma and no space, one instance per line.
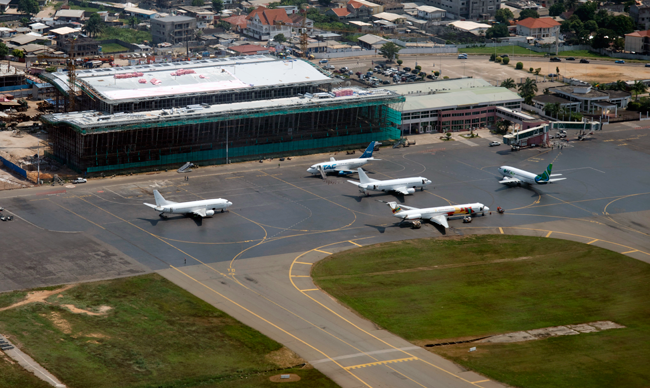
(538,28)
(362,9)
(173,29)
(264,23)
(641,14)
(467,9)
(83,47)
(638,42)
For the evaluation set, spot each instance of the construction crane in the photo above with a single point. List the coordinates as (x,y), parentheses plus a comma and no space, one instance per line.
(72,75)
(304,38)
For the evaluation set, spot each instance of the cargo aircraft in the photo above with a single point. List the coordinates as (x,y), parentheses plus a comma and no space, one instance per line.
(343,167)
(403,186)
(438,215)
(515,176)
(202,208)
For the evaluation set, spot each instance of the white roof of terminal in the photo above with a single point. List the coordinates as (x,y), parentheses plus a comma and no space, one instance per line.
(93,119)
(209,75)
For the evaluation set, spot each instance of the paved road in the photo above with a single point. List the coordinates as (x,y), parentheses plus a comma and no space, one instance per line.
(253,262)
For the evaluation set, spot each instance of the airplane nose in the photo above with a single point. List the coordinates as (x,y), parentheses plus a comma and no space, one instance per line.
(229,203)
(485,208)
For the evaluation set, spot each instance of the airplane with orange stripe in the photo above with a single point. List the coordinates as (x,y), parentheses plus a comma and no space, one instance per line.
(438,215)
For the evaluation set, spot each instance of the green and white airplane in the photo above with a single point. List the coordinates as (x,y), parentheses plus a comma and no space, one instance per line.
(515,176)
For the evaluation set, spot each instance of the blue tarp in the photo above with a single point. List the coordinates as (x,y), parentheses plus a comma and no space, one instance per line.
(13,167)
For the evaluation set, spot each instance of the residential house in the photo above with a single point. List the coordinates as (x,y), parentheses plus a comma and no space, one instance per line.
(238,22)
(394,7)
(362,26)
(249,49)
(297,23)
(70,15)
(340,13)
(638,42)
(4,5)
(173,29)
(204,18)
(370,42)
(430,13)
(362,9)
(264,23)
(39,28)
(538,28)
(640,13)
(390,17)
(471,27)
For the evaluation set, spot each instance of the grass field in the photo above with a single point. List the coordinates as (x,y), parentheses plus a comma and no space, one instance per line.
(559,282)
(518,50)
(155,335)
(126,34)
(113,48)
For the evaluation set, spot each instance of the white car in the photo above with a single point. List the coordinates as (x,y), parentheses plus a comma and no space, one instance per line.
(79,180)
(494,144)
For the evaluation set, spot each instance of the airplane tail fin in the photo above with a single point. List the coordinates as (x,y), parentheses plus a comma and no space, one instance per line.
(160,201)
(363,178)
(394,207)
(369,150)
(545,176)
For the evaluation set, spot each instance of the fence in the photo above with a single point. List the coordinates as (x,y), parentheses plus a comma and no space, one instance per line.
(361,53)
(13,167)
(538,49)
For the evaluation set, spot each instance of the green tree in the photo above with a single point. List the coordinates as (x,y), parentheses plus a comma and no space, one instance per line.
(503,126)
(389,51)
(552,109)
(619,44)
(217,6)
(198,3)
(505,60)
(527,90)
(4,50)
(280,38)
(325,3)
(497,31)
(18,53)
(94,25)
(133,21)
(591,26)
(504,15)
(399,62)
(436,73)
(538,70)
(570,4)
(418,68)
(556,9)
(620,85)
(528,13)
(498,60)
(519,66)
(638,88)
(586,11)
(493,56)
(508,83)
(29,7)
(603,38)
(621,25)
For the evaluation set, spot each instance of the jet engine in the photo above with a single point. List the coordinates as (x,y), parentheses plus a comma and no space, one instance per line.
(209,213)
(410,191)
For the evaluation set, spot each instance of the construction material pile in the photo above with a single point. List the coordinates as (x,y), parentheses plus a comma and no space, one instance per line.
(183,72)
(128,75)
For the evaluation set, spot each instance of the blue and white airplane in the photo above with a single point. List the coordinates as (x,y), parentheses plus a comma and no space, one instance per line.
(343,167)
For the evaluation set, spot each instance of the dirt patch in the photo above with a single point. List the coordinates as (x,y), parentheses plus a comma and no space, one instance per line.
(284,358)
(60,322)
(279,379)
(102,310)
(95,335)
(37,297)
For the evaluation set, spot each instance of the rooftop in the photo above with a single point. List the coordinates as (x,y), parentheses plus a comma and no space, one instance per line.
(538,23)
(87,121)
(69,13)
(639,34)
(270,16)
(551,99)
(391,17)
(451,94)
(203,76)
(342,12)
(428,8)
(469,26)
(174,19)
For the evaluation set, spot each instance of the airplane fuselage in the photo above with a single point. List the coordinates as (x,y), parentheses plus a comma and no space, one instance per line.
(392,184)
(524,176)
(189,207)
(449,211)
(338,165)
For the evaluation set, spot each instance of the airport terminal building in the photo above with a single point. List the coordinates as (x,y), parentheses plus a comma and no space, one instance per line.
(208,111)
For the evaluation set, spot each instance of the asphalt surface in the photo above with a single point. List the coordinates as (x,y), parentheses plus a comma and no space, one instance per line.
(253,261)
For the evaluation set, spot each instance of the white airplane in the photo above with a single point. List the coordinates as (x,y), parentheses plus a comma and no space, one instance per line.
(343,167)
(203,208)
(515,176)
(439,214)
(404,186)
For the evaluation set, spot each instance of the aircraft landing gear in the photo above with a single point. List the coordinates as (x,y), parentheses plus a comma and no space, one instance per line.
(222,210)
(162,215)
(422,188)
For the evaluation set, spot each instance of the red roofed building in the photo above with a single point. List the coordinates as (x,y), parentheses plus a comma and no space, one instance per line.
(249,49)
(340,13)
(638,42)
(538,27)
(264,23)
(238,23)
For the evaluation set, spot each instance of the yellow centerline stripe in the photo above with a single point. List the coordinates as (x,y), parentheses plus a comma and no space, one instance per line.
(270,323)
(381,363)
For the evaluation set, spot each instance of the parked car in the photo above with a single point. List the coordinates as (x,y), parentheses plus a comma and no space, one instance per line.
(647,65)
(462,56)
(584,61)
(407,69)
(552,75)
(430,76)
(385,82)
(422,74)
(358,73)
(495,143)
(79,180)
(504,55)
(571,59)
(619,61)
(323,61)
(556,59)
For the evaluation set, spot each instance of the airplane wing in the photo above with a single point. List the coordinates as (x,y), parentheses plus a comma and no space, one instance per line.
(440,220)
(199,212)
(332,159)
(555,180)
(408,207)
(401,190)
(150,205)
(507,180)
(552,175)
(355,183)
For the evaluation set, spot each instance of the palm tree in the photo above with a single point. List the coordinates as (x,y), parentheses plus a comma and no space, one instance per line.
(552,109)
(638,88)
(528,89)
(570,4)
(509,84)
(621,85)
